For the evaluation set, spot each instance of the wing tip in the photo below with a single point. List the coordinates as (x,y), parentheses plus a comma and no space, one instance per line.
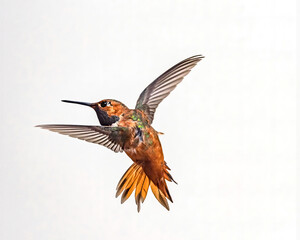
(197,58)
(42,126)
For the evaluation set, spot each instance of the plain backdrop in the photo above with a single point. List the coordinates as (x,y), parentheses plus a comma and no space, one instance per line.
(229,126)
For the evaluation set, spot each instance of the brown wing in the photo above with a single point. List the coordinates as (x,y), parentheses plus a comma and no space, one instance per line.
(160,88)
(110,137)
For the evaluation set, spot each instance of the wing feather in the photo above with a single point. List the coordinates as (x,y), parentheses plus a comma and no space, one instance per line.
(95,134)
(160,88)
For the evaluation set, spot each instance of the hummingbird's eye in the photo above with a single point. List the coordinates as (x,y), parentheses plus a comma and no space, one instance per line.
(103,104)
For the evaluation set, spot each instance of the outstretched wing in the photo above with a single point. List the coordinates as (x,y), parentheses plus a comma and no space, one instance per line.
(110,137)
(163,85)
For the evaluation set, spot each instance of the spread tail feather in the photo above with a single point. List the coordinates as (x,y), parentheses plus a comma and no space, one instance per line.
(135,178)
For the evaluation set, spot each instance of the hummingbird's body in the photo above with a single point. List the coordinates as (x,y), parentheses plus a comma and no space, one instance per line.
(130,130)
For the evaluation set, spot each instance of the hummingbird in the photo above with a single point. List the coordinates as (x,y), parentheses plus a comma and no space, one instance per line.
(129,130)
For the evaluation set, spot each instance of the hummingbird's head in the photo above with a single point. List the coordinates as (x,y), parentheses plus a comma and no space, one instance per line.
(108,111)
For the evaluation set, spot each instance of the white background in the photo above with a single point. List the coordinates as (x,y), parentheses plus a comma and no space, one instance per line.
(229,126)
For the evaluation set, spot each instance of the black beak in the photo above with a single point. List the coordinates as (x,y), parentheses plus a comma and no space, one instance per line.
(81,103)
(103,117)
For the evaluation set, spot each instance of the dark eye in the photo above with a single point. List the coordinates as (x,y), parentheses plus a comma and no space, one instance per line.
(103,104)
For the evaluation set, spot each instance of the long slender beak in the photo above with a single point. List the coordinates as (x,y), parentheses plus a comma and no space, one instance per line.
(81,103)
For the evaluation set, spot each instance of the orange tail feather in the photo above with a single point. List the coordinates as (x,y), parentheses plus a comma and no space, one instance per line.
(135,178)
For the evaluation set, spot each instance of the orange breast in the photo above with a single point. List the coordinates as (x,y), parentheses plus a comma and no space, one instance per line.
(143,145)
(144,148)
(149,155)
